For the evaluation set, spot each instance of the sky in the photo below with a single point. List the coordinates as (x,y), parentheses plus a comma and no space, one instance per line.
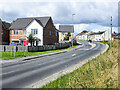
(89,15)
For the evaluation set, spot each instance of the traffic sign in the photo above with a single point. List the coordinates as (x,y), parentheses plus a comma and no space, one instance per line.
(70,38)
(12,44)
(26,42)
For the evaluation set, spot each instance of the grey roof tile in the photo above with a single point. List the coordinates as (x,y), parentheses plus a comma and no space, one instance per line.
(97,33)
(22,23)
(66,28)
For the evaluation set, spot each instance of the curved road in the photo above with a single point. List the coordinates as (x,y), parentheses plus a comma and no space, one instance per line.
(25,73)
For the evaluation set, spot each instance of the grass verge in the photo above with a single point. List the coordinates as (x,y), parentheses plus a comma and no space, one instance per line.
(101,72)
(7,55)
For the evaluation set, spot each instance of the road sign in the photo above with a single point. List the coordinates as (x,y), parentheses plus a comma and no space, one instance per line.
(70,38)
(12,44)
(26,42)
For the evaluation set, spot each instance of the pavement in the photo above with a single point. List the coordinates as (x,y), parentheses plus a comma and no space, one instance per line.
(39,71)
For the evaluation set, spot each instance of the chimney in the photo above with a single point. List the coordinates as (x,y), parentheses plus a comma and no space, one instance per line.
(13,21)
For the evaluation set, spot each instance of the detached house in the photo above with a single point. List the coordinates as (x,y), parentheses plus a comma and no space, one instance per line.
(64,30)
(99,36)
(82,36)
(42,28)
(4,33)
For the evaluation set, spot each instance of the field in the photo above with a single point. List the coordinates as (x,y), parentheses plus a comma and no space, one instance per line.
(101,72)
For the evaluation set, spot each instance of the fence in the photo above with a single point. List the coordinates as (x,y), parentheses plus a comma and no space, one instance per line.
(35,48)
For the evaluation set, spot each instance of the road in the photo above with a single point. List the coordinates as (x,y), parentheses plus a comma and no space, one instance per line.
(25,73)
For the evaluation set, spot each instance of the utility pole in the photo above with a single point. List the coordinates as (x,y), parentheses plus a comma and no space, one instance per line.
(111,33)
(73,29)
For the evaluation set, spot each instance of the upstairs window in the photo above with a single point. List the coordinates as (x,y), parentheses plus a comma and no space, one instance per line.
(24,32)
(56,33)
(15,32)
(34,31)
(50,33)
(63,33)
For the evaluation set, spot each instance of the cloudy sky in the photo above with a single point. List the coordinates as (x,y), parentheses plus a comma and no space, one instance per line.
(92,16)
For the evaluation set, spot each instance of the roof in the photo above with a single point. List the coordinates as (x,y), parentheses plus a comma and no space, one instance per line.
(66,28)
(5,25)
(83,33)
(22,23)
(97,33)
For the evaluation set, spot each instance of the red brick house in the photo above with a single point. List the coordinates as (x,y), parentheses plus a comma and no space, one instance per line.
(41,27)
(4,33)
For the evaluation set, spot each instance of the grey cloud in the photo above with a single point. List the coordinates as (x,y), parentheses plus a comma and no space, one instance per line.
(86,12)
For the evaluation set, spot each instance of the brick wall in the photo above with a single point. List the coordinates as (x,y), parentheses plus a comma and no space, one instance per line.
(0,31)
(4,33)
(16,37)
(47,38)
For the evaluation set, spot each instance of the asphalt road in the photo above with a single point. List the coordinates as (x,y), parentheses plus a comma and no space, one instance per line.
(25,73)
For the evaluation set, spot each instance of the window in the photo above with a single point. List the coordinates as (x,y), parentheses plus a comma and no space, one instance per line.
(34,31)
(63,33)
(56,33)
(24,32)
(50,33)
(15,32)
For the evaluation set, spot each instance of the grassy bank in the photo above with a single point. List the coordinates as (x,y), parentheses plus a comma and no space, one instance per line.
(101,72)
(7,55)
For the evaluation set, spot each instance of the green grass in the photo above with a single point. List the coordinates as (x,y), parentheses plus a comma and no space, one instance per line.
(7,55)
(101,72)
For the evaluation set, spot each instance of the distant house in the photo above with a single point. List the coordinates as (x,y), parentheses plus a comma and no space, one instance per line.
(64,30)
(82,36)
(41,27)
(116,36)
(4,33)
(99,36)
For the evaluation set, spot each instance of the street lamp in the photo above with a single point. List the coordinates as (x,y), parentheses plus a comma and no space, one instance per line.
(73,29)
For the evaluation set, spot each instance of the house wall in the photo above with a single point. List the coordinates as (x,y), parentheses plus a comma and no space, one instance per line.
(62,36)
(83,37)
(107,35)
(4,34)
(97,37)
(0,31)
(5,37)
(47,38)
(16,37)
(36,25)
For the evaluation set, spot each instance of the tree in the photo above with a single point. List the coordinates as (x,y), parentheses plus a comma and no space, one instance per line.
(84,31)
(31,39)
(67,36)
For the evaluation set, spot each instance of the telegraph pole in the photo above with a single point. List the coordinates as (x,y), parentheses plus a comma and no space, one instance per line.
(111,33)
(73,28)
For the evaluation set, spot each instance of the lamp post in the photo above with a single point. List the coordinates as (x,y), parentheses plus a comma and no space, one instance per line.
(73,29)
